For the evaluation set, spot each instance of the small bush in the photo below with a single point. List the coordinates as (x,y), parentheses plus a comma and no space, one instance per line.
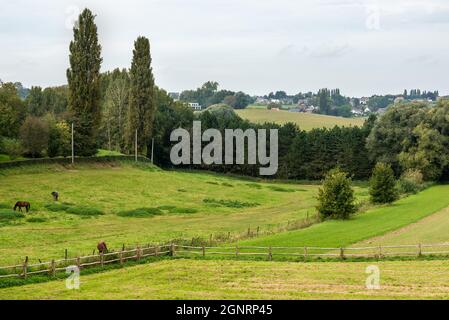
(230,203)
(140,212)
(11,147)
(411,182)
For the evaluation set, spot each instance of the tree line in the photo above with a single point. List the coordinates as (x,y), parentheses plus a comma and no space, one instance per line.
(107,109)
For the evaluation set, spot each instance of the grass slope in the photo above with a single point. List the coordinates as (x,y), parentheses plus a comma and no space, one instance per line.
(433,229)
(126,204)
(196,279)
(305,121)
(336,233)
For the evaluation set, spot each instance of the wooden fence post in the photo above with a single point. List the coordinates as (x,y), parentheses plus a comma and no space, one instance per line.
(249,231)
(25,267)
(121,258)
(270,254)
(419,250)
(342,253)
(172,250)
(53,268)
(65,254)
(101,259)
(204,251)
(236,251)
(78,262)
(123,247)
(380,252)
(138,253)
(258,228)
(305,253)
(229,235)
(156,251)
(210,240)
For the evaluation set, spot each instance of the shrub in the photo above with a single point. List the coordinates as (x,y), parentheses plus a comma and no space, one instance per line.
(336,196)
(11,147)
(383,184)
(411,181)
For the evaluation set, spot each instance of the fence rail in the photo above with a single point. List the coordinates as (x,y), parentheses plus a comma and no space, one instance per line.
(379,252)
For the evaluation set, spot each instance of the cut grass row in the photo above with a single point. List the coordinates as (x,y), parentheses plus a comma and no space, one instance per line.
(374,222)
(218,279)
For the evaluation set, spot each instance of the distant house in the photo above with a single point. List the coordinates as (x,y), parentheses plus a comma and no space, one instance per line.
(364,100)
(274,109)
(262,100)
(195,106)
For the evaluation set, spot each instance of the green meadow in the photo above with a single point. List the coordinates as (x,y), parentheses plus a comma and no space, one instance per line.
(227,279)
(136,204)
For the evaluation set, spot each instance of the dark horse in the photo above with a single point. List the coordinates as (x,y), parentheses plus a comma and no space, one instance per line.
(102,248)
(22,204)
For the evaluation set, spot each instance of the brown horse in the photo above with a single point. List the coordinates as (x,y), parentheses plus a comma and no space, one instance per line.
(102,248)
(22,204)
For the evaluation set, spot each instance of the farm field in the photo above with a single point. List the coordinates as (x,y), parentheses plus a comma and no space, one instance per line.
(374,222)
(433,229)
(99,202)
(227,279)
(305,121)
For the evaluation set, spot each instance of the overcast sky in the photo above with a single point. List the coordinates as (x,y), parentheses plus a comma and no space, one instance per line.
(257,46)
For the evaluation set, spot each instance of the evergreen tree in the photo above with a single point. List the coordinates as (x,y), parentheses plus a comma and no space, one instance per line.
(84,83)
(142,104)
(383,184)
(336,196)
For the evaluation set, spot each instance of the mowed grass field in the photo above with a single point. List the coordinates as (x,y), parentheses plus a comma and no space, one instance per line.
(227,279)
(99,202)
(305,121)
(433,229)
(374,222)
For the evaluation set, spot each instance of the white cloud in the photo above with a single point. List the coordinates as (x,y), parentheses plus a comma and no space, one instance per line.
(251,45)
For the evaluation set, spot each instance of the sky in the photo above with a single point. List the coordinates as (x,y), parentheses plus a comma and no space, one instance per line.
(363,47)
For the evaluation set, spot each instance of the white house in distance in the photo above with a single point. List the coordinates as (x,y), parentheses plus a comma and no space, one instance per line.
(195,106)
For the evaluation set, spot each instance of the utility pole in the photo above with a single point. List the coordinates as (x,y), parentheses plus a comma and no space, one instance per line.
(73,148)
(152,149)
(136,146)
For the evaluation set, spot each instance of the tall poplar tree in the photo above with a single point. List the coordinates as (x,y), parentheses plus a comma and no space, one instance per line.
(142,106)
(84,83)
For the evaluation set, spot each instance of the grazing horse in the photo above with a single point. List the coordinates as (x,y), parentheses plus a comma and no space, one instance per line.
(55,195)
(102,248)
(22,204)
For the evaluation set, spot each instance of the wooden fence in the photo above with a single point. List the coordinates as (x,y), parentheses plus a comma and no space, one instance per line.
(53,266)
(378,252)
(119,257)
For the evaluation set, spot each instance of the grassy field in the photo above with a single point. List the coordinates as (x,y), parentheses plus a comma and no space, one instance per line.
(375,222)
(131,205)
(305,121)
(209,279)
(433,229)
